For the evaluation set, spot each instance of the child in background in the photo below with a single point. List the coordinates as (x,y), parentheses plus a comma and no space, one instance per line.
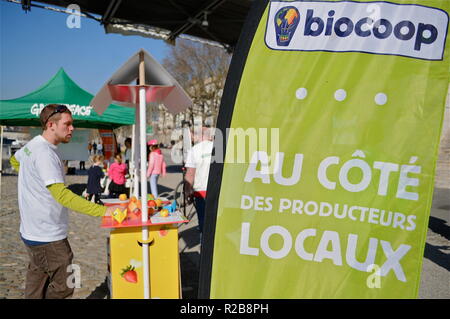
(116,173)
(95,174)
(156,166)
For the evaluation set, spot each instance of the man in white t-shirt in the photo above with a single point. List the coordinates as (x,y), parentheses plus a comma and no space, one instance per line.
(197,172)
(43,204)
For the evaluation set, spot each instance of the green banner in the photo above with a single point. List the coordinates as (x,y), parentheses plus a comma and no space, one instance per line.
(328,177)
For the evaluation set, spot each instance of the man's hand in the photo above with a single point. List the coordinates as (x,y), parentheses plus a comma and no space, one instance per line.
(189,199)
(189,192)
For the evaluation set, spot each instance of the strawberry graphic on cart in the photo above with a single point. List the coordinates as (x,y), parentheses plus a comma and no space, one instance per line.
(129,274)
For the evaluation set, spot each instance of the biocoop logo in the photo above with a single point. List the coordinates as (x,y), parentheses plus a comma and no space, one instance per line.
(396,29)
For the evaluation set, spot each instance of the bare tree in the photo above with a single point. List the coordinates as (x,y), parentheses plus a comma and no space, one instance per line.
(201,70)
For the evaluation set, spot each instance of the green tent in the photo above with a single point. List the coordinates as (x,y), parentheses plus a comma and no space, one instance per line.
(61,89)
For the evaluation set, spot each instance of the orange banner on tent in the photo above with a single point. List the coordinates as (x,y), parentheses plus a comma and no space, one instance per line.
(109,143)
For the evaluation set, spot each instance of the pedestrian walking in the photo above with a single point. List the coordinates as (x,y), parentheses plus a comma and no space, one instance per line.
(95,174)
(127,153)
(116,173)
(156,166)
(197,172)
(99,148)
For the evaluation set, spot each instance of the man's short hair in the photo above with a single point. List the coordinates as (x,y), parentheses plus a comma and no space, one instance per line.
(52,111)
(207,133)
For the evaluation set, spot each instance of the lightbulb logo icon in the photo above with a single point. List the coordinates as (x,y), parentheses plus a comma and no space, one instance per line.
(286,22)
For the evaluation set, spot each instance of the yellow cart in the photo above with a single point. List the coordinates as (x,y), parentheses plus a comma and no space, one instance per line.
(125,257)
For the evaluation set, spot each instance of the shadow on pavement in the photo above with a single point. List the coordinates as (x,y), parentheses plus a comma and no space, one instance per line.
(439,226)
(77,188)
(174,169)
(435,254)
(191,237)
(189,274)
(81,172)
(101,291)
(164,191)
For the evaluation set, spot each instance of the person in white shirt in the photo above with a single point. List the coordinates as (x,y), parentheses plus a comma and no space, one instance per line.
(197,172)
(43,204)
(99,148)
(127,153)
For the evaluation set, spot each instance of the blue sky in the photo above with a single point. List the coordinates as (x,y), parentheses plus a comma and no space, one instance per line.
(34,45)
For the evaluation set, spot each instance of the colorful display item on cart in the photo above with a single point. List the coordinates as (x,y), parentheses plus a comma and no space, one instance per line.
(164,213)
(130,213)
(172,207)
(119,215)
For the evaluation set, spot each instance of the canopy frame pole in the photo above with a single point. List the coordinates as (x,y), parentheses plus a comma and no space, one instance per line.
(1,159)
(135,158)
(143,153)
(131,162)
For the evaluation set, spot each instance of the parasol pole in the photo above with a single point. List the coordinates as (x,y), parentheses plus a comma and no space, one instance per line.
(143,153)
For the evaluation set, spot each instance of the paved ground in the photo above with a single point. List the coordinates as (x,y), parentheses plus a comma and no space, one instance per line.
(88,241)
